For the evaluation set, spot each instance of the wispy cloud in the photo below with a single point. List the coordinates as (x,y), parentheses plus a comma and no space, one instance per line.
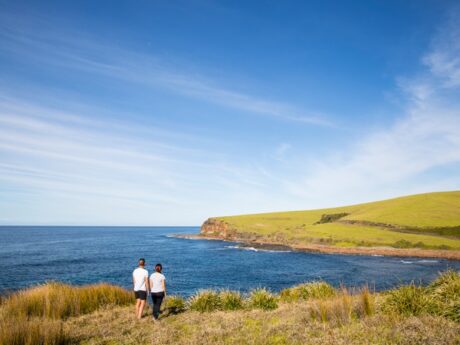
(391,161)
(59,156)
(87,54)
(63,161)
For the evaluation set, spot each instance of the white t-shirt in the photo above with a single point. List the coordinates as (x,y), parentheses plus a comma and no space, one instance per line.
(156,282)
(139,275)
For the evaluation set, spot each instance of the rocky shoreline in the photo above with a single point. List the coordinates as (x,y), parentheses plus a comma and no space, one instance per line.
(316,248)
(214,229)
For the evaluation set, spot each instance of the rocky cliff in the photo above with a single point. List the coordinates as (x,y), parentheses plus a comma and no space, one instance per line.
(217,229)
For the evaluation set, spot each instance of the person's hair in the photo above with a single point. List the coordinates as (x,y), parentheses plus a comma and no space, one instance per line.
(142,261)
(158,268)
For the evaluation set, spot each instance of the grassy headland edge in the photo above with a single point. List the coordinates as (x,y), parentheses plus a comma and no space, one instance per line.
(422,225)
(313,313)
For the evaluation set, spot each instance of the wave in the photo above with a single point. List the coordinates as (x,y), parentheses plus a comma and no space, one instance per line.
(423,261)
(252,249)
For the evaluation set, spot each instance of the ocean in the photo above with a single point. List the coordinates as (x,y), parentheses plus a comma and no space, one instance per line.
(31,255)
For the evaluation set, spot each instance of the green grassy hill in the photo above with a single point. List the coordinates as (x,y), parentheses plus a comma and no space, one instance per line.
(428,221)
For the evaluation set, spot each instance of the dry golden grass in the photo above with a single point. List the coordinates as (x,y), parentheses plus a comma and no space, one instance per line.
(317,317)
(289,324)
(33,316)
(19,331)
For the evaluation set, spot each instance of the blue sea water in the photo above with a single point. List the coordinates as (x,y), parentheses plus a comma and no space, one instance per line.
(82,255)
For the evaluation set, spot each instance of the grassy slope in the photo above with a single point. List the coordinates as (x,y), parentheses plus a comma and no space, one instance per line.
(312,313)
(423,211)
(289,324)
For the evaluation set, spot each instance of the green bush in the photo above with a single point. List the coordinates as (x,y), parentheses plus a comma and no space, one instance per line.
(262,299)
(441,297)
(174,305)
(445,292)
(306,291)
(402,244)
(447,286)
(205,301)
(231,300)
(329,218)
(408,300)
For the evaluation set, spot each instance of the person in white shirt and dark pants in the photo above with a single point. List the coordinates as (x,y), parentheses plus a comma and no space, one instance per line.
(157,289)
(140,286)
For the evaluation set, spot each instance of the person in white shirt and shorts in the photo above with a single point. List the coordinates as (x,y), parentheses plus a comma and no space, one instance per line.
(141,286)
(157,289)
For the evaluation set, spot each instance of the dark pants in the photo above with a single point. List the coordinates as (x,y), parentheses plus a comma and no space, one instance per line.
(157,298)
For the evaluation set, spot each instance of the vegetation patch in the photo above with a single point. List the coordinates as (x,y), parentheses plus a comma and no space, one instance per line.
(205,301)
(59,301)
(316,314)
(329,218)
(34,316)
(441,297)
(262,299)
(231,300)
(174,305)
(307,291)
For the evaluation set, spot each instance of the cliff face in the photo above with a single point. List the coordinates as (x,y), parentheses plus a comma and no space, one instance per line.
(217,228)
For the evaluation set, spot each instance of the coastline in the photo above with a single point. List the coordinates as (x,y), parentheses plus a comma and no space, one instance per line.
(316,248)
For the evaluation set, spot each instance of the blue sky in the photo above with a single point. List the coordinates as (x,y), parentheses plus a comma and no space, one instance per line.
(169,112)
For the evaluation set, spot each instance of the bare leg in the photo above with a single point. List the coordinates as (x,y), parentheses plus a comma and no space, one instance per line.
(141,309)
(138,303)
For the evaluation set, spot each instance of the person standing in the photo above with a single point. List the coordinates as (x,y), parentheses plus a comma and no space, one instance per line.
(157,289)
(140,286)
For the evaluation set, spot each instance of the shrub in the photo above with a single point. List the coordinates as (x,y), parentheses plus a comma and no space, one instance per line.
(408,300)
(329,218)
(402,244)
(445,292)
(174,305)
(262,299)
(306,291)
(447,286)
(205,301)
(441,297)
(231,300)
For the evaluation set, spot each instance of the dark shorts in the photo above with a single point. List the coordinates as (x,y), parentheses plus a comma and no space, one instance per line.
(141,295)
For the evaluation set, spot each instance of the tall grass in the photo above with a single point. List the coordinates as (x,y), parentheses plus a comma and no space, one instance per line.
(33,316)
(367,301)
(343,307)
(17,331)
(60,301)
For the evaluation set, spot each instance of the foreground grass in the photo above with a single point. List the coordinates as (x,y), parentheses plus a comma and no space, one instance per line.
(289,324)
(426,221)
(312,313)
(35,316)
